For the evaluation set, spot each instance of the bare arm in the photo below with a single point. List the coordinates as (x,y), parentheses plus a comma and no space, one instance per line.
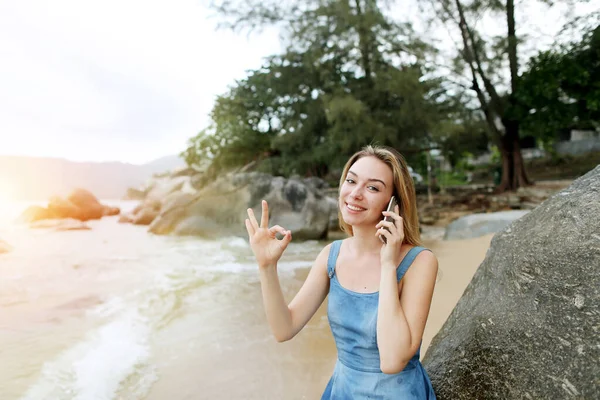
(287,320)
(401,318)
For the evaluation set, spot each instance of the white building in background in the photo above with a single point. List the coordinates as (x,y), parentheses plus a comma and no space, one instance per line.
(581,142)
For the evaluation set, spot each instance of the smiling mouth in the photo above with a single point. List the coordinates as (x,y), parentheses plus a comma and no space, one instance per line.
(354,208)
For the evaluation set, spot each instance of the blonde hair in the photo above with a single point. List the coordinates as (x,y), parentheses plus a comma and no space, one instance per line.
(404,189)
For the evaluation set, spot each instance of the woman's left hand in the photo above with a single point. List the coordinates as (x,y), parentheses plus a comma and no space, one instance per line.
(394,234)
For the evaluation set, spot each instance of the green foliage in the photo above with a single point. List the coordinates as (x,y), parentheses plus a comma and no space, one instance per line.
(349,77)
(561,89)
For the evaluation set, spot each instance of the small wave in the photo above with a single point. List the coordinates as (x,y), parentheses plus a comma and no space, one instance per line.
(95,368)
(231,267)
(234,243)
(252,267)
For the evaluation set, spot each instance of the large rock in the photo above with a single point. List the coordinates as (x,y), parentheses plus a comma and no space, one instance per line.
(476,225)
(528,324)
(4,247)
(80,204)
(220,207)
(144,213)
(161,187)
(334,220)
(134,194)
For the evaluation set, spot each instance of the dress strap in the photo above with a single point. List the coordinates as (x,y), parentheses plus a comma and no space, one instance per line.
(408,260)
(334,250)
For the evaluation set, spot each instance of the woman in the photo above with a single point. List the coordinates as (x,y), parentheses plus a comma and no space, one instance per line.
(379,294)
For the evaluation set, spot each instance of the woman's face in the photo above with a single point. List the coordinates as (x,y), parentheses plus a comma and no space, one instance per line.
(366,192)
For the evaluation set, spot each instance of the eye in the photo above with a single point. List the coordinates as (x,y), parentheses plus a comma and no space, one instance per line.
(373,188)
(349,180)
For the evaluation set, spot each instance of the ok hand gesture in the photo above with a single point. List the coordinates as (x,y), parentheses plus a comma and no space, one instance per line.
(265,245)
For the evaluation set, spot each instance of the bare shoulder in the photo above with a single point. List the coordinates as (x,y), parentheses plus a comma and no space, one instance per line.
(425,265)
(321,260)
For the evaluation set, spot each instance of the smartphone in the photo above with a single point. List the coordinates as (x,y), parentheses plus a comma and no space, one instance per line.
(391,206)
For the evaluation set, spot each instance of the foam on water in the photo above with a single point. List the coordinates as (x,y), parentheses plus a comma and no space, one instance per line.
(95,368)
(145,282)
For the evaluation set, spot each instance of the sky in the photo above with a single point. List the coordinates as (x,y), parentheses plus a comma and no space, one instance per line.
(119,80)
(114,80)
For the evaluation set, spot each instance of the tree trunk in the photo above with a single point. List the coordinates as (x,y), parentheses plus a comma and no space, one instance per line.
(512,44)
(364,32)
(513,168)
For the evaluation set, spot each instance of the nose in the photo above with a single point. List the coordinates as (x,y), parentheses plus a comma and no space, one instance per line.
(356,192)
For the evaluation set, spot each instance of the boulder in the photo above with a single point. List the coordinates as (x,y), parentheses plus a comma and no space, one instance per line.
(144,217)
(144,213)
(111,211)
(34,213)
(475,225)
(134,194)
(334,221)
(4,247)
(63,208)
(528,323)
(161,187)
(220,207)
(125,219)
(80,204)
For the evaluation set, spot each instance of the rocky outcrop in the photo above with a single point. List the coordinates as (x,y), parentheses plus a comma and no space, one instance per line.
(476,225)
(458,201)
(80,205)
(527,325)
(159,191)
(4,247)
(143,214)
(134,194)
(219,208)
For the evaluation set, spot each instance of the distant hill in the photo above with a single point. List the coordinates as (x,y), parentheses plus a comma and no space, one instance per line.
(36,178)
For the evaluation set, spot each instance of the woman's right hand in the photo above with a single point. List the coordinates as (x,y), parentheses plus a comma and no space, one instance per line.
(265,245)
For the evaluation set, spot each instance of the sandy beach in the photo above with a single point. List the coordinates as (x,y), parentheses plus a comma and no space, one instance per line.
(117,313)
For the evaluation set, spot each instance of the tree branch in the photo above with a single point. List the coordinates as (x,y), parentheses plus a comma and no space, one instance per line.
(467,35)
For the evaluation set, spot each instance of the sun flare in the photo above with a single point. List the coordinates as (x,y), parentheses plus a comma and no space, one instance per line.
(8,193)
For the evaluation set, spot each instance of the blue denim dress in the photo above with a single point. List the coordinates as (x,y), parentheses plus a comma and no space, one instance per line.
(353,321)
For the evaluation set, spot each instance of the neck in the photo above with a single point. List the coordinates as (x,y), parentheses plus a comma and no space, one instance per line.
(364,240)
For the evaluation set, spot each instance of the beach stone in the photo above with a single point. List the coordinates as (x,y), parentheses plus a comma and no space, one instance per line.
(219,208)
(144,217)
(134,194)
(334,218)
(527,325)
(476,225)
(4,247)
(80,204)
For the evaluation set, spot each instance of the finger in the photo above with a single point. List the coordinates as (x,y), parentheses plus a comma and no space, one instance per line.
(385,233)
(387,224)
(393,215)
(287,238)
(252,218)
(264,220)
(275,229)
(249,228)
